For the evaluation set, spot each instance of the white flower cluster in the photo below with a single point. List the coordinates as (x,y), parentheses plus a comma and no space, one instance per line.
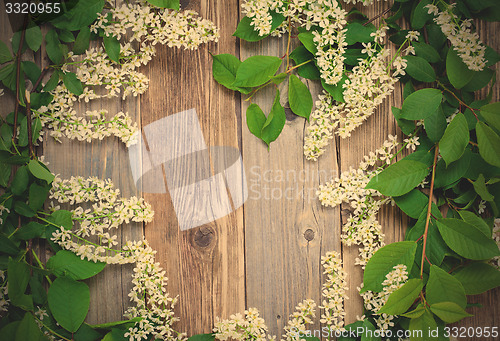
(4,302)
(496,237)
(369,83)
(104,78)
(373,301)
(464,41)
(364,2)
(107,211)
(2,210)
(327,15)
(249,326)
(334,292)
(296,326)
(362,227)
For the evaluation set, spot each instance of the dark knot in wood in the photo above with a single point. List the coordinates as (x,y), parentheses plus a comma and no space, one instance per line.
(204,236)
(309,234)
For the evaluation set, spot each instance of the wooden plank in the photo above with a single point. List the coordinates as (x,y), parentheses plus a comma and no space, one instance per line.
(107,159)
(286,229)
(205,265)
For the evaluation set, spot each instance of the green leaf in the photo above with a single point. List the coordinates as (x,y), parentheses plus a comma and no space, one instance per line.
(37,196)
(421,104)
(33,36)
(421,326)
(173,4)
(455,139)
(82,41)
(115,335)
(358,33)
(20,182)
(66,36)
(480,188)
(477,278)
(73,84)
(202,337)
(402,299)
(443,287)
(399,178)
(69,302)
(28,329)
(491,114)
(62,218)
(479,80)
(30,231)
(417,312)
(18,276)
(32,71)
(23,209)
(406,126)
(256,70)
(81,15)
(116,323)
(383,262)
(255,119)
(300,55)
(275,121)
(426,51)
(5,171)
(299,97)
(458,73)
(245,30)
(87,333)
(5,54)
(224,68)
(420,15)
(473,219)
(66,263)
(7,246)
(279,78)
(52,82)
(53,47)
(435,125)
(412,203)
(447,175)
(40,171)
(420,69)
(466,240)
(337,90)
(112,47)
(489,144)
(449,312)
(307,39)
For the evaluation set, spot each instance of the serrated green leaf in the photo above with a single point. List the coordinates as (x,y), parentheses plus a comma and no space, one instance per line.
(426,51)
(23,209)
(417,312)
(309,70)
(449,312)
(435,125)
(299,97)
(33,36)
(61,218)
(245,29)
(399,178)
(358,33)
(66,263)
(421,104)
(480,188)
(72,82)
(402,299)
(81,15)
(412,203)
(479,80)
(5,54)
(420,15)
(202,337)
(443,287)
(458,73)
(8,246)
(255,119)
(69,302)
(18,276)
(112,47)
(466,240)
(275,121)
(477,278)
(256,70)
(5,171)
(224,68)
(456,170)
(307,39)
(489,144)
(480,224)
(52,82)
(28,329)
(421,326)
(37,195)
(53,47)
(30,231)
(337,90)
(420,69)
(455,139)
(491,114)
(20,182)
(383,261)
(82,41)
(40,171)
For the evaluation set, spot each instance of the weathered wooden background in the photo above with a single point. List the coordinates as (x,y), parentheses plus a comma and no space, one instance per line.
(267,253)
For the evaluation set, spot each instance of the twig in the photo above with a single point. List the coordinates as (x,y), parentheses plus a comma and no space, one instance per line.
(429,207)
(459,100)
(18,71)
(28,122)
(377,16)
(37,83)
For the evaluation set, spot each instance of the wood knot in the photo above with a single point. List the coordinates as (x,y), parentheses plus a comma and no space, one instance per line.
(204,236)
(309,234)
(290,116)
(278,317)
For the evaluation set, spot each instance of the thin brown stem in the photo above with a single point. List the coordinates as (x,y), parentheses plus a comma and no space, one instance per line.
(429,208)
(28,122)
(459,100)
(37,83)
(377,16)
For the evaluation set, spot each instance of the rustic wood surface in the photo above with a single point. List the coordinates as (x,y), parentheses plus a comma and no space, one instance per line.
(267,253)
